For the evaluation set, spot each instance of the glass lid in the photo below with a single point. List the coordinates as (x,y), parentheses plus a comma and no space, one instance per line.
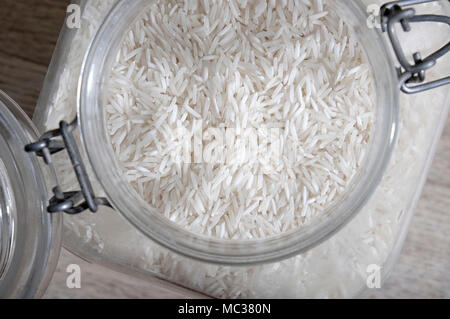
(30,238)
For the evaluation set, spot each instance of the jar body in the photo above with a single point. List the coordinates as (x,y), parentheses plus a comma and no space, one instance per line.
(379,229)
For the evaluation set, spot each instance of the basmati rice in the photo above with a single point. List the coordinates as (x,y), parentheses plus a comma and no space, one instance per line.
(285,60)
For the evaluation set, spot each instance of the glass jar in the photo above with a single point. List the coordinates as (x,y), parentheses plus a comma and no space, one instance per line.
(330,257)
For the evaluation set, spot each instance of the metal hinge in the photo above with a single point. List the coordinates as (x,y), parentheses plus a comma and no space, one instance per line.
(411,74)
(73,202)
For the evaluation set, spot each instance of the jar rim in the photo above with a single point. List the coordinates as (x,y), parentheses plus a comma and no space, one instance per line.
(31,236)
(158,228)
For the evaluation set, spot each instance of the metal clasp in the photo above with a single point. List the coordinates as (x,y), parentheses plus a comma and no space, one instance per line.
(68,202)
(409,74)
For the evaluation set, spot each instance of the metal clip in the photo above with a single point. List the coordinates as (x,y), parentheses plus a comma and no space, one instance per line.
(67,202)
(393,13)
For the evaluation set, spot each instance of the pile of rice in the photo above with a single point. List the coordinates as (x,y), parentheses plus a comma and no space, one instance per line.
(336,268)
(287,69)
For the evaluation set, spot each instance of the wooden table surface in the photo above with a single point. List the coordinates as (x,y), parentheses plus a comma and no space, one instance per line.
(29,31)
